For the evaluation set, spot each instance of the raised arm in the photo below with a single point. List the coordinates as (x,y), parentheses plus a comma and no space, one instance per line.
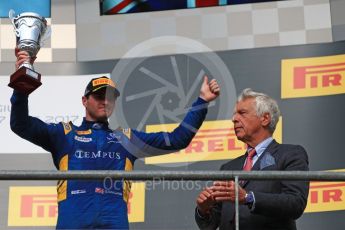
(25,126)
(180,137)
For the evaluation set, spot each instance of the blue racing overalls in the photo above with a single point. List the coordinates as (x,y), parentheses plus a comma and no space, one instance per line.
(102,204)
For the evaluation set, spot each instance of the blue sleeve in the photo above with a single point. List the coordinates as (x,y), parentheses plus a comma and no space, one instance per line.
(30,128)
(158,143)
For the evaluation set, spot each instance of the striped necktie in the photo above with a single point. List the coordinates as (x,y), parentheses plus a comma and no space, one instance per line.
(249,161)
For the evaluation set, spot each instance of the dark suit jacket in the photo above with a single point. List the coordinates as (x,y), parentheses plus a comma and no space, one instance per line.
(277,203)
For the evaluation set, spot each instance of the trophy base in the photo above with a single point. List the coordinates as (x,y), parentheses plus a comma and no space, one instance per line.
(25,80)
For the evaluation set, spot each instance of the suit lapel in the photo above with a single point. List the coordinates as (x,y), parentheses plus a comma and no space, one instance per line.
(239,164)
(271,148)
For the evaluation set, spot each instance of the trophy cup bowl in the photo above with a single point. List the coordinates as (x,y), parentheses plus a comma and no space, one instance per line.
(30,28)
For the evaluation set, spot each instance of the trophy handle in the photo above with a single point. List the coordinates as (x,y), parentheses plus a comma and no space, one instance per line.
(11,14)
(45,36)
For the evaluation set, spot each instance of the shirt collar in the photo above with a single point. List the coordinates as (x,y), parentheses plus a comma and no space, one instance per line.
(94,124)
(262,146)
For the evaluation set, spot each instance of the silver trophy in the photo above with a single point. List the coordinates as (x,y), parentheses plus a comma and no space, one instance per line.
(31,31)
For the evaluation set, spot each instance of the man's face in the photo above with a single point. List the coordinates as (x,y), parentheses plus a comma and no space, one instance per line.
(247,124)
(99,105)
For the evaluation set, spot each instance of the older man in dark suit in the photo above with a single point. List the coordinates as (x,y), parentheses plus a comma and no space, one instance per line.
(264,205)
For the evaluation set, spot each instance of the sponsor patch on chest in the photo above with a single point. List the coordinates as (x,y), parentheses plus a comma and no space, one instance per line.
(80,191)
(84,132)
(83,139)
(80,154)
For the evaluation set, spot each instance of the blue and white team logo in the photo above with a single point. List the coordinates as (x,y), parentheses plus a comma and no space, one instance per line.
(113,138)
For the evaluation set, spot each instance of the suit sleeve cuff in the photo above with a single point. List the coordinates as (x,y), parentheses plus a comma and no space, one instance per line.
(201,216)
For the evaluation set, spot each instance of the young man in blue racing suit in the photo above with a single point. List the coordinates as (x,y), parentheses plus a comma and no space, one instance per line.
(94,146)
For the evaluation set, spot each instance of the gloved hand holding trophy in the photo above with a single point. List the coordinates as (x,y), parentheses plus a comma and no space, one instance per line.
(31,31)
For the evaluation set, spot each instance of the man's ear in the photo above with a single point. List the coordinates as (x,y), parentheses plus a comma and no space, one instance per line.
(84,100)
(265,119)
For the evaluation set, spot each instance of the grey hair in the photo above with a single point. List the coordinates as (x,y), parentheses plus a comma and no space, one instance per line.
(263,104)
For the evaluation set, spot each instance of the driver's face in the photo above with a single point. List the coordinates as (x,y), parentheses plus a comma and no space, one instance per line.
(99,105)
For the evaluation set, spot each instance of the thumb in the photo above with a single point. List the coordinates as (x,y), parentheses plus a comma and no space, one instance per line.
(205,80)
